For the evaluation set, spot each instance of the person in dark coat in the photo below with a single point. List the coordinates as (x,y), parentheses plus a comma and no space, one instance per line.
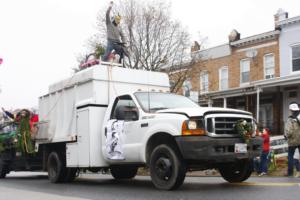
(292,133)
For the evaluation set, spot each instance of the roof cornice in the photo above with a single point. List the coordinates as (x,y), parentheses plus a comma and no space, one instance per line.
(254,86)
(289,21)
(256,39)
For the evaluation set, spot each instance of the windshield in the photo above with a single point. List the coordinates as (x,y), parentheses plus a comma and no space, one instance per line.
(154,101)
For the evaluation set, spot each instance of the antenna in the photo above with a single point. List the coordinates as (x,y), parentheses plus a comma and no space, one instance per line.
(251,53)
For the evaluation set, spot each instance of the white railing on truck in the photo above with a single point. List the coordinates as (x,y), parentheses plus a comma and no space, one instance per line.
(279,146)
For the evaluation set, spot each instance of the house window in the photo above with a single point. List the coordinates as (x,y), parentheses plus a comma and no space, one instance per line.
(245,71)
(269,66)
(296,58)
(293,94)
(203,82)
(223,78)
(187,87)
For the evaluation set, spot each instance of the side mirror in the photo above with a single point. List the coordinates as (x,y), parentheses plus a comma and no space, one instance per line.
(132,115)
(127,113)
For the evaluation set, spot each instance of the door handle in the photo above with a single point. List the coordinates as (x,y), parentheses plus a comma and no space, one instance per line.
(144,125)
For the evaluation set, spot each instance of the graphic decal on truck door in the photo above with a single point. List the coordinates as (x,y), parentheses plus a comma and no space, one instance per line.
(115,132)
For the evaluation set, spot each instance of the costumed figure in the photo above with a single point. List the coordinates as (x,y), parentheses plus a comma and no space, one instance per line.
(115,37)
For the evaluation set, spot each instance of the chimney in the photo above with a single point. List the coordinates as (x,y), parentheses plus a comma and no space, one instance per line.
(195,47)
(234,36)
(279,16)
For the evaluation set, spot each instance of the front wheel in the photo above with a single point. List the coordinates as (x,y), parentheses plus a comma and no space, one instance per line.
(123,172)
(236,172)
(167,168)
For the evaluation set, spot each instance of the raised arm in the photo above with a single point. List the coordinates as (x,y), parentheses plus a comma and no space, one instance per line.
(108,13)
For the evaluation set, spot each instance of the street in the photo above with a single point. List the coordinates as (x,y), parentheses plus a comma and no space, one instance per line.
(35,186)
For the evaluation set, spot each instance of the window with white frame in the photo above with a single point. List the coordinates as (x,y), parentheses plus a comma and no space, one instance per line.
(223,78)
(244,71)
(269,66)
(296,58)
(203,82)
(187,87)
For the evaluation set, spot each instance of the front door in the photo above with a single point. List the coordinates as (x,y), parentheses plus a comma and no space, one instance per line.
(132,137)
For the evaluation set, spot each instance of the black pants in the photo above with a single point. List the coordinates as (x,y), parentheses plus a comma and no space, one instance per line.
(118,47)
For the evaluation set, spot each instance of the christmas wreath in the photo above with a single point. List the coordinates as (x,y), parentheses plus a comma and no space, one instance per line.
(244,129)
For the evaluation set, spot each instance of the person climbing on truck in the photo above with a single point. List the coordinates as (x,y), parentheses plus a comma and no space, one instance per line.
(115,38)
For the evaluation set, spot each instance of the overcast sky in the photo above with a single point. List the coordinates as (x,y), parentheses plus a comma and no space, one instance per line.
(40,39)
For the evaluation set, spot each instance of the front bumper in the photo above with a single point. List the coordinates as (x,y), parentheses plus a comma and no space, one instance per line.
(216,150)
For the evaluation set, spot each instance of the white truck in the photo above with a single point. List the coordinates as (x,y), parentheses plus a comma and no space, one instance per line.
(168,133)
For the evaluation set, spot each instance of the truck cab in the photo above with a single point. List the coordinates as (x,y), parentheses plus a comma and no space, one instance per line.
(165,131)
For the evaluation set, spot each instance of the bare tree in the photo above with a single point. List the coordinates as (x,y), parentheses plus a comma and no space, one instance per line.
(155,41)
(190,69)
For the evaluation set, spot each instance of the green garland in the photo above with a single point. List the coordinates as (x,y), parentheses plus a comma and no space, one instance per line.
(244,129)
(23,132)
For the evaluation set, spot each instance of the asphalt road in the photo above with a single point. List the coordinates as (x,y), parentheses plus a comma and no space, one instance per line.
(35,186)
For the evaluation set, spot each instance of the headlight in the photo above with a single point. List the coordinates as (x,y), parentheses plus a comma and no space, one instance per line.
(193,127)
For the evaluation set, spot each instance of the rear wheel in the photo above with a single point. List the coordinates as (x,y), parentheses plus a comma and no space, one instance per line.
(3,169)
(236,172)
(123,172)
(167,168)
(56,168)
(70,175)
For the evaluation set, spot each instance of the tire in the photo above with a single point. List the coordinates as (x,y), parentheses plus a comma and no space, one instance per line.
(236,172)
(71,174)
(123,172)
(167,168)
(56,168)
(3,169)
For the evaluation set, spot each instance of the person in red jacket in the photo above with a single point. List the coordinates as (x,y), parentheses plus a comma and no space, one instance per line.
(266,150)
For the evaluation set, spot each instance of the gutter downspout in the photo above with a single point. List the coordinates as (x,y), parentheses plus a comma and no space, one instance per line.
(257,103)
(225,102)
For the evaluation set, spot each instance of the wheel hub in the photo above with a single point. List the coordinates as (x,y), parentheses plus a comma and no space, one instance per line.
(163,168)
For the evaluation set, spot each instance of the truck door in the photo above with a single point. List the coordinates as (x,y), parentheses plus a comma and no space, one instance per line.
(125,109)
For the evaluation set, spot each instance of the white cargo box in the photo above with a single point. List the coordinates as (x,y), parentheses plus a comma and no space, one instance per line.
(97,85)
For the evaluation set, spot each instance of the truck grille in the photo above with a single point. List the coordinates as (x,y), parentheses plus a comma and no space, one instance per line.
(223,125)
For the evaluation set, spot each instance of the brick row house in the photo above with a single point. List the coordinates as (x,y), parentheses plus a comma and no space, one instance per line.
(260,73)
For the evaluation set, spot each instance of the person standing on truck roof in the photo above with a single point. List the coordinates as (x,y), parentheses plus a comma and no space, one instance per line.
(292,133)
(115,37)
